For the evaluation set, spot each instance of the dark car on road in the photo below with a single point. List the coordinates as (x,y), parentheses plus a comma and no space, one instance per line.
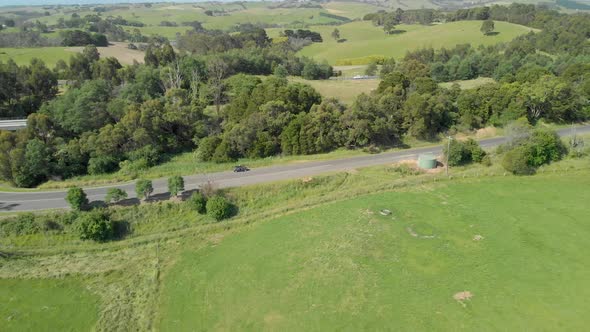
(241,168)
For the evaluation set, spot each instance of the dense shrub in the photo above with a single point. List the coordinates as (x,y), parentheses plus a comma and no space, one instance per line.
(198,202)
(95,225)
(517,161)
(218,208)
(462,153)
(539,148)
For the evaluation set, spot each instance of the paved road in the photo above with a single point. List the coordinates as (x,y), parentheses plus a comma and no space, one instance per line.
(13,124)
(29,201)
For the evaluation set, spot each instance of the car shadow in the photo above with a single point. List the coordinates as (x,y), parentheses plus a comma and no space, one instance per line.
(7,207)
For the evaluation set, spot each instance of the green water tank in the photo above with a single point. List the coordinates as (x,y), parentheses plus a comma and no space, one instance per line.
(427,161)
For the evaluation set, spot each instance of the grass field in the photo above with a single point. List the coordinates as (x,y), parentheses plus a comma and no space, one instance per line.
(469,84)
(343,266)
(363,39)
(229,14)
(46,305)
(23,56)
(50,55)
(344,90)
(141,281)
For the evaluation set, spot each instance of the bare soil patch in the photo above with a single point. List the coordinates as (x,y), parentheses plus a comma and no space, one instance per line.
(116,50)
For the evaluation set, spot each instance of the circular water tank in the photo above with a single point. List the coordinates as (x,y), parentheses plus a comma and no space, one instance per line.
(427,161)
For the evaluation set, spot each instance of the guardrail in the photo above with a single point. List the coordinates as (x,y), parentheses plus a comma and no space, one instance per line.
(13,124)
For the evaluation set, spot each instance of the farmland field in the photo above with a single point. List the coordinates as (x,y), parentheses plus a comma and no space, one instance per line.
(363,39)
(499,254)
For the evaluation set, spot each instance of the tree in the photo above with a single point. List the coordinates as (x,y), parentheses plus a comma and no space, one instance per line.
(115,195)
(336,34)
(77,199)
(217,69)
(218,208)
(31,167)
(371,69)
(175,185)
(487,27)
(9,23)
(143,189)
(281,71)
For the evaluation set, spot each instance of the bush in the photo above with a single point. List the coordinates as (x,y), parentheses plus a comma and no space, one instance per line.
(198,202)
(516,161)
(218,208)
(539,148)
(143,188)
(175,185)
(486,160)
(546,146)
(96,226)
(115,195)
(462,153)
(77,199)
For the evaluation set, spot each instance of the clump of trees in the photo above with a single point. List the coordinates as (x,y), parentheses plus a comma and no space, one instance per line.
(83,38)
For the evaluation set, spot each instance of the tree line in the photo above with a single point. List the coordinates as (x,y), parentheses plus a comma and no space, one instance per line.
(214,101)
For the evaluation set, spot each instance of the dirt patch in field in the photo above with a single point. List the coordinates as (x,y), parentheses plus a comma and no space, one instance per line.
(335,11)
(307,180)
(463,296)
(413,163)
(116,50)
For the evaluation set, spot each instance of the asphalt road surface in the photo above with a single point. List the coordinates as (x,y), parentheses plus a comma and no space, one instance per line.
(30,201)
(13,124)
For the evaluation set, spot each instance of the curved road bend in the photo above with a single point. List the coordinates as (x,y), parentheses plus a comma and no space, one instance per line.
(29,201)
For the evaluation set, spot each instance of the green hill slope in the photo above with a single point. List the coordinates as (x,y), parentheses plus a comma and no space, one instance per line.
(363,39)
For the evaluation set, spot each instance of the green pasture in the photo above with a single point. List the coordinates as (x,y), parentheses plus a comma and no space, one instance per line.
(512,243)
(363,39)
(46,305)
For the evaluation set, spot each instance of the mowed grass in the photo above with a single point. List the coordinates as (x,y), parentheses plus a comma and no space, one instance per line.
(344,266)
(364,39)
(344,90)
(46,305)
